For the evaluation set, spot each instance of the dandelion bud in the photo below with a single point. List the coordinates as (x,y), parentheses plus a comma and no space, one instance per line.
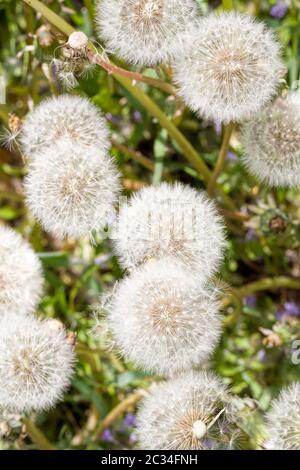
(78,40)
(60,117)
(272,142)
(20,274)
(230,67)
(71,189)
(187,413)
(145,32)
(36,363)
(164,320)
(283,420)
(170,220)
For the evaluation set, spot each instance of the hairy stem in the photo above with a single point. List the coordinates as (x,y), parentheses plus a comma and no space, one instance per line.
(221,158)
(36,435)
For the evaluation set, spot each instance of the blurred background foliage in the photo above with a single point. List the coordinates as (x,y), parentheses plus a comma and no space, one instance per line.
(262,312)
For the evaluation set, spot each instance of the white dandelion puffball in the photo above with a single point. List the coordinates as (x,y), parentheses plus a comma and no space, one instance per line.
(71,189)
(69,116)
(271,142)
(145,32)
(187,413)
(163,319)
(231,67)
(21,277)
(283,420)
(36,363)
(170,220)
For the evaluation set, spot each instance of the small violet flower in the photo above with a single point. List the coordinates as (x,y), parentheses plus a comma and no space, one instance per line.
(290,308)
(279,10)
(129,420)
(107,436)
(250,301)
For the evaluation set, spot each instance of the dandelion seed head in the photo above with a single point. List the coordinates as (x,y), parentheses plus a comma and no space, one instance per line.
(186,413)
(71,189)
(164,320)
(283,420)
(230,68)
(60,117)
(145,32)
(271,142)
(36,363)
(170,220)
(21,278)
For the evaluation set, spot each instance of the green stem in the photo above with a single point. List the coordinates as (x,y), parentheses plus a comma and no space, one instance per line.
(221,158)
(135,155)
(54,19)
(268,283)
(228,4)
(36,435)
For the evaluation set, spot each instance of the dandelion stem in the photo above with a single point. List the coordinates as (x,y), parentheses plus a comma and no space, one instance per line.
(36,435)
(270,283)
(121,408)
(236,294)
(221,158)
(135,155)
(135,76)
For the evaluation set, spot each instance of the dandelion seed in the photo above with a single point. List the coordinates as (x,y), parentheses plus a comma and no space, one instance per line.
(283,420)
(71,188)
(230,67)
(20,274)
(272,142)
(187,413)
(36,363)
(164,320)
(170,220)
(60,117)
(8,139)
(145,32)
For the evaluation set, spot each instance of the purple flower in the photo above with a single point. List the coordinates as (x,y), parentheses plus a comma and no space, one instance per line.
(129,420)
(107,436)
(279,10)
(113,119)
(251,235)
(133,439)
(292,308)
(137,117)
(261,355)
(103,259)
(232,156)
(280,314)
(250,301)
